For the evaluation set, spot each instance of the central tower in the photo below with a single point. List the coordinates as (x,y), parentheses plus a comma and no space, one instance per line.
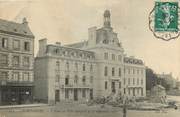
(107,19)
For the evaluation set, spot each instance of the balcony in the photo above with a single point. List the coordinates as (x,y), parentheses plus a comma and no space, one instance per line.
(16,83)
(115,78)
(76,86)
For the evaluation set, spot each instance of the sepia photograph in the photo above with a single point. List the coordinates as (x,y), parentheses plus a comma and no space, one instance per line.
(89,58)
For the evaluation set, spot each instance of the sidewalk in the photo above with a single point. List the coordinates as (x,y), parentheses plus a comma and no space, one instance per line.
(22,106)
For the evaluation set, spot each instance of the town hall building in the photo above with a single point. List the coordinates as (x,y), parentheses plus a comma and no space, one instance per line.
(85,70)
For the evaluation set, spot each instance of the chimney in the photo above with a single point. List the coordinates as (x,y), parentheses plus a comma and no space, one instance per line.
(58,43)
(24,21)
(92,36)
(42,47)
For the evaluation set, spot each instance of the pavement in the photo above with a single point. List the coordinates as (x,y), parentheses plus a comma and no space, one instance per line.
(22,106)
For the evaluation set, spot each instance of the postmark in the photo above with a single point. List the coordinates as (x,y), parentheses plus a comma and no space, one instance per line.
(164,20)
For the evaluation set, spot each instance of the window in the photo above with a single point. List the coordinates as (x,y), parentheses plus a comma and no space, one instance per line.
(105,56)
(84,93)
(56,51)
(113,71)
(141,81)
(137,81)
(84,80)
(57,78)
(141,71)
(57,65)
(76,79)
(129,71)
(66,93)
(84,68)
(124,81)
(16,45)
(138,91)
(91,68)
(113,57)
(141,91)
(91,79)
(119,85)
(15,76)
(124,90)
(3,75)
(137,71)
(26,46)
(3,59)
(67,65)
(4,43)
(119,58)
(133,91)
(26,61)
(15,60)
(25,76)
(129,81)
(105,71)
(106,85)
(119,71)
(129,91)
(76,66)
(133,71)
(133,81)
(67,80)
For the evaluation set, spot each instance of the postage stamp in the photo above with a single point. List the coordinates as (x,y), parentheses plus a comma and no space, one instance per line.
(164,20)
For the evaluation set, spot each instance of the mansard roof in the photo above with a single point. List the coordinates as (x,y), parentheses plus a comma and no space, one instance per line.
(69,52)
(13,28)
(77,45)
(132,60)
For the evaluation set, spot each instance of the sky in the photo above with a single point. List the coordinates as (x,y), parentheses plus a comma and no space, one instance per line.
(67,21)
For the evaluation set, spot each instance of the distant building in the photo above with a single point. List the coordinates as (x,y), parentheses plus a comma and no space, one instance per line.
(170,80)
(16,62)
(85,70)
(178,85)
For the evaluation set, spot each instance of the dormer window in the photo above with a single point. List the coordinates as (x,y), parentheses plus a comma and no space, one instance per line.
(105,41)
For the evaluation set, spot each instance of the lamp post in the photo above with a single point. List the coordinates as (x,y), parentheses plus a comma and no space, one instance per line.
(125,104)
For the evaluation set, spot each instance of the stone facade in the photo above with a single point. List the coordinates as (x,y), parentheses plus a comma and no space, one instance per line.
(16,62)
(108,71)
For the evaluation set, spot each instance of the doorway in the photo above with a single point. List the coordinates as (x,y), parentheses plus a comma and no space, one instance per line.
(57,96)
(113,87)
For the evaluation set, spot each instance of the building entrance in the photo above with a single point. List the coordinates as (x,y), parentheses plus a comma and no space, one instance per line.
(57,96)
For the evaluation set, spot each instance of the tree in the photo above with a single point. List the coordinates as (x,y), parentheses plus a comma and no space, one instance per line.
(151,78)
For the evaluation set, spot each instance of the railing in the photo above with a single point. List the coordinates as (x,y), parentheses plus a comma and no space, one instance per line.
(16,83)
(78,86)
